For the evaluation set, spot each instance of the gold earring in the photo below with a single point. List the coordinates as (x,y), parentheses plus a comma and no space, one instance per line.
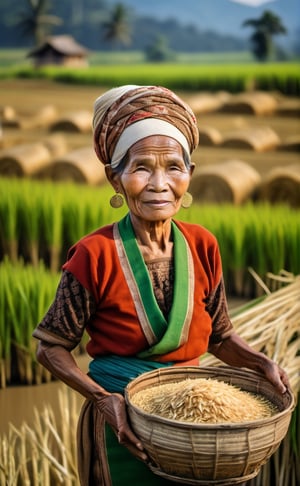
(116,201)
(187,200)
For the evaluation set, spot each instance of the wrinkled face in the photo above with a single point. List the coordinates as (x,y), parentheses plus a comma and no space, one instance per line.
(154,179)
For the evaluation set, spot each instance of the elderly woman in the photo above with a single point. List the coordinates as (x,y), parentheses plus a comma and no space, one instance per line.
(148,289)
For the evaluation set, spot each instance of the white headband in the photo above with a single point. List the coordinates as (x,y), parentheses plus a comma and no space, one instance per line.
(142,129)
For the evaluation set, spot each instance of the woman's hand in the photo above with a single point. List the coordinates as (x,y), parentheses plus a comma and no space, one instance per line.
(113,408)
(61,363)
(234,351)
(276,375)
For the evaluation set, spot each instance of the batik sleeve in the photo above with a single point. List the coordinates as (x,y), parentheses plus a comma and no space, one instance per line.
(66,319)
(216,306)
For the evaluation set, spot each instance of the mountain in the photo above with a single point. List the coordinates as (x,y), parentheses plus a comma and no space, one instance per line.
(222,16)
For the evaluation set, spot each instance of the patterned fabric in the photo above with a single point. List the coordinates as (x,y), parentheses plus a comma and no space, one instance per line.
(65,321)
(135,104)
(161,272)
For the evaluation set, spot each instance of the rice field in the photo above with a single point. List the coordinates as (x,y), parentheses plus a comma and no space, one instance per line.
(283,77)
(39,221)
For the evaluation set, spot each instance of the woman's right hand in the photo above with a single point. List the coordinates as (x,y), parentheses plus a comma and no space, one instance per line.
(113,407)
(61,363)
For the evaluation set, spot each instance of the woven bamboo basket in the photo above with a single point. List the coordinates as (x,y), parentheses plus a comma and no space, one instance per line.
(204,454)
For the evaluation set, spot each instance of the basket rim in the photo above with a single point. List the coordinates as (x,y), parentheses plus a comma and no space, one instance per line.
(210,426)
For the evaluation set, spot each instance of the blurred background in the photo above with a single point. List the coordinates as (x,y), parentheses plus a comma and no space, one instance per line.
(236,62)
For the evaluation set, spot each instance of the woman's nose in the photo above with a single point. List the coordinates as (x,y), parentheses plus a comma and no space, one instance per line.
(158,180)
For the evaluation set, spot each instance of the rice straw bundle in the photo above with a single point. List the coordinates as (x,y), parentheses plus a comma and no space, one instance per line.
(289,107)
(8,116)
(56,144)
(77,121)
(209,136)
(282,185)
(39,119)
(254,103)
(272,327)
(42,118)
(204,102)
(24,160)
(259,139)
(81,166)
(290,144)
(232,181)
(203,401)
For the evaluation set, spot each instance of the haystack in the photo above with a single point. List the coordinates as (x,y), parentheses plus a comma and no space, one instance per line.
(209,136)
(56,144)
(24,160)
(9,117)
(290,144)
(259,139)
(77,121)
(289,107)
(252,103)
(232,181)
(205,102)
(39,119)
(80,166)
(282,185)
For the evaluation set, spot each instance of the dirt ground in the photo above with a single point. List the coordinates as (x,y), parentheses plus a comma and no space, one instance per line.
(29,96)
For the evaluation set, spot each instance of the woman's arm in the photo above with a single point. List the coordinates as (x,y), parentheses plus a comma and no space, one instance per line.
(234,351)
(60,362)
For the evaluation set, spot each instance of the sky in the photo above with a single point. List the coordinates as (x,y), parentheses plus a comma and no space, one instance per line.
(252,3)
(223,16)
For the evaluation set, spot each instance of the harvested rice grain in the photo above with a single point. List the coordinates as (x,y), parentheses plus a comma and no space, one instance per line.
(203,401)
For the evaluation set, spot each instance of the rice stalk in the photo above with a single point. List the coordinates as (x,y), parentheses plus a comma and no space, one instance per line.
(272,326)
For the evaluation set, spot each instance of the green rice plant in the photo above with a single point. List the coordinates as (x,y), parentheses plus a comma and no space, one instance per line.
(53,216)
(26,292)
(233,77)
(8,224)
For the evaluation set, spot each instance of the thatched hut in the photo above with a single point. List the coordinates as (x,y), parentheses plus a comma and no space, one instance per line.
(59,50)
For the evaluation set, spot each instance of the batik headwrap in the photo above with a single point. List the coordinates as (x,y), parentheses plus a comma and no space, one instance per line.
(126,114)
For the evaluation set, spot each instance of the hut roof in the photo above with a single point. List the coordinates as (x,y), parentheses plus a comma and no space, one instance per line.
(63,44)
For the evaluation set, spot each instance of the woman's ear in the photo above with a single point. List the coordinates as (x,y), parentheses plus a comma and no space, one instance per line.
(112,177)
(192,168)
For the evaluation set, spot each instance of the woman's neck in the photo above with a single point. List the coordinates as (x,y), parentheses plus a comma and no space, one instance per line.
(153,238)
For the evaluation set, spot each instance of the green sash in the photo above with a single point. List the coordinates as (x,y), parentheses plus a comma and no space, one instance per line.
(168,335)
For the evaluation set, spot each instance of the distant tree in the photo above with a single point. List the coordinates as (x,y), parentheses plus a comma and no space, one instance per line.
(159,50)
(117,28)
(34,20)
(265,27)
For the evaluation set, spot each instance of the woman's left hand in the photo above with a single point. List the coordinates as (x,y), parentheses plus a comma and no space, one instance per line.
(276,375)
(236,352)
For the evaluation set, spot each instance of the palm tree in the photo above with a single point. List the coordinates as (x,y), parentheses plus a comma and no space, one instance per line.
(35,22)
(117,28)
(265,27)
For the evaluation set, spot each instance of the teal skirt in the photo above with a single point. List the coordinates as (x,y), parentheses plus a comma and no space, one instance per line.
(113,373)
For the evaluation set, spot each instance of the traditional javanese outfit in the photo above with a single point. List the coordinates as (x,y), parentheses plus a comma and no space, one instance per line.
(139,316)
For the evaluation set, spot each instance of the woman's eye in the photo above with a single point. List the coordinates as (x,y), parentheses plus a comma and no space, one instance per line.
(140,168)
(175,167)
